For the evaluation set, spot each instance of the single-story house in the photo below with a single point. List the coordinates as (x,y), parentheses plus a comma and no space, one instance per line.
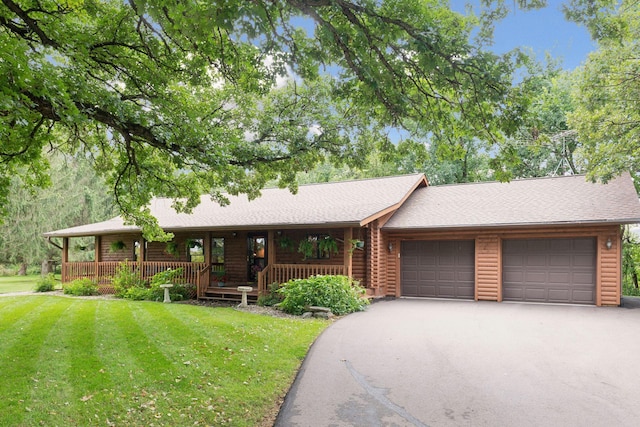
(554,240)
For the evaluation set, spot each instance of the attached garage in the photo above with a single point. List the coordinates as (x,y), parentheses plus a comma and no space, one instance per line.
(549,270)
(438,268)
(548,240)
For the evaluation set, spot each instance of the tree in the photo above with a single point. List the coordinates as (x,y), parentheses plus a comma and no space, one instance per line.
(76,196)
(182,98)
(607,117)
(545,145)
(630,263)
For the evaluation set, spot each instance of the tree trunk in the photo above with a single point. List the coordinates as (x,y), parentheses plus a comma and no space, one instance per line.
(46,267)
(23,269)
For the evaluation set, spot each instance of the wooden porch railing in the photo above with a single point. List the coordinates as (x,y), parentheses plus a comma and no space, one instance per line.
(203,281)
(102,272)
(281,273)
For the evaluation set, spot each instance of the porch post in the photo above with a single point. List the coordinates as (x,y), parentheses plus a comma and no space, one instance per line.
(270,261)
(206,250)
(271,248)
(65,259)
(97,256)
(141,256)
(143,250)
(348,258)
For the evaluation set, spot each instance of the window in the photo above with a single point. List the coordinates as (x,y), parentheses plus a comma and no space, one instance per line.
(311,248)
(217,250)
(217,260)
(195,250)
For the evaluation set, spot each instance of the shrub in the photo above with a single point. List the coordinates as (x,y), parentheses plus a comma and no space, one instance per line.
(178,292)
(46,283)
(81,287)
(124,279)
(630,266)
(273,297)
(136,293)
(339,293)
(128,285)
(6,270)
(32,270)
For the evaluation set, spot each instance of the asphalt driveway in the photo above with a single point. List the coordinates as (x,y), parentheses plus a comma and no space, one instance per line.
(414,362)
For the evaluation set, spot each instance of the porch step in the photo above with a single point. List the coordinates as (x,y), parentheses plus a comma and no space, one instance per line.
(228,294)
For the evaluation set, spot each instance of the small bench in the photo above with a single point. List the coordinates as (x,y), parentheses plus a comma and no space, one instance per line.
(244,290)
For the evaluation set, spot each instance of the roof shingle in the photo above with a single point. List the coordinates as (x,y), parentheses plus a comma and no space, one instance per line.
(347,202)
(548,201)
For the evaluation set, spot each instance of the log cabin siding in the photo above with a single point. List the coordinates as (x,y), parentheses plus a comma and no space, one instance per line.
(392,266)
(488,266)
(608,269)
(372,249)
(359,257)
(124,254)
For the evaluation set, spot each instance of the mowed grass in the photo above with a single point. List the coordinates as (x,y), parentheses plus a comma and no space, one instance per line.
(77,362)
(17,283)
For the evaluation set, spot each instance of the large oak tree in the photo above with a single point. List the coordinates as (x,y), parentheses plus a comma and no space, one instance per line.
(183,97)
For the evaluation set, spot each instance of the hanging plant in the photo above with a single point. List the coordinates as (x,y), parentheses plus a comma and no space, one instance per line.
(356,244)
(306,248)
(285,243)
(327,245)
(116,246)
(194,243)
(172,249)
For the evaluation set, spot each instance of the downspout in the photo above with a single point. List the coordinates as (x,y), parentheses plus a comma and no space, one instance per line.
(52,243)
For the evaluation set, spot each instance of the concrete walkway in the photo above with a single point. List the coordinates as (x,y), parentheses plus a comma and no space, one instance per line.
(452,363)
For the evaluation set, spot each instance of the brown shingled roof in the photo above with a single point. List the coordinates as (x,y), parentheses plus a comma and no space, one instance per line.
(335,203)
(540,201)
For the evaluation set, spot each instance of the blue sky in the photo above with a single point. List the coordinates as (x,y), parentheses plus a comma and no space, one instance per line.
(544,30)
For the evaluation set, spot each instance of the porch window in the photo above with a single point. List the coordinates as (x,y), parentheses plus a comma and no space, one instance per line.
(195,250)
(217,251)
(313,249)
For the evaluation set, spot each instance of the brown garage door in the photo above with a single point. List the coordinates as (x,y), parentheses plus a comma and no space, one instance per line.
(549,270)
(441,269)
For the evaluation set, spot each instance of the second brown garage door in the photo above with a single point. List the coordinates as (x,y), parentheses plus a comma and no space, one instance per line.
(549,270)
(441,269)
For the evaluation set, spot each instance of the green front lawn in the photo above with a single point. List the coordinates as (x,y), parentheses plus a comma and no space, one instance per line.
(17,283)
(69,361)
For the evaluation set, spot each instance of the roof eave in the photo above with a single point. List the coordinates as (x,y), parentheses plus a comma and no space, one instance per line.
(516,225)
(422,181)
(131,229)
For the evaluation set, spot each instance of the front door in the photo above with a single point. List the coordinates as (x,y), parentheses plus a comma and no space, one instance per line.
(256,255)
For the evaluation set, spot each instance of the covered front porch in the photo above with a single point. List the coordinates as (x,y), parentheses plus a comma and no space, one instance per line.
(217,262)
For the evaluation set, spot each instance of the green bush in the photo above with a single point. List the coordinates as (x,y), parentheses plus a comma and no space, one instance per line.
(136,293)
(272,298)
(124,279)
(32,270)
(630,266)
(128,285)
(81,287)
(339,293)
(46,283)
(178,292)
